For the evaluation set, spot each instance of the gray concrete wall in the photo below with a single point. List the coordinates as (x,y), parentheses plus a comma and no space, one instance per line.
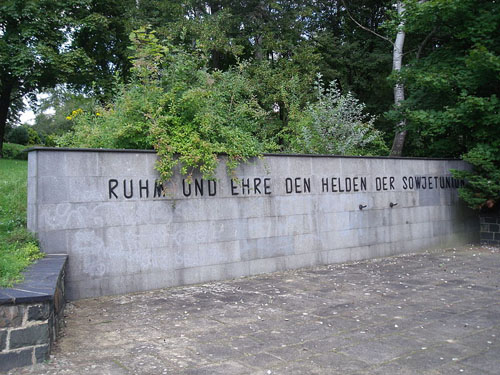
(100,207)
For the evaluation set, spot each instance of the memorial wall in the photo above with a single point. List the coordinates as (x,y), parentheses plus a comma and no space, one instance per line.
(125,232)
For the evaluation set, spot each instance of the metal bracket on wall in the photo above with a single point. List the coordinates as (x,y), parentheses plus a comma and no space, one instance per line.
(391,205)
(361,206)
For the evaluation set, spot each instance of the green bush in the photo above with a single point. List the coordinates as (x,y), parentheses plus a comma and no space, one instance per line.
(335,124)
(14,151)
(174,105)
(18,134)
(482,191)
(191,115)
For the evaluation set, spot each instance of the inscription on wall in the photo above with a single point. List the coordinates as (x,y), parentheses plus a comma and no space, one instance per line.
(254,186)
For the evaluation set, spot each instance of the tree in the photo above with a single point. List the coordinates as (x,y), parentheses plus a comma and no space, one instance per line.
(452,77)
(54,111)
(355,45)
(31,36)
(399,89)
(47,42)
(453,80)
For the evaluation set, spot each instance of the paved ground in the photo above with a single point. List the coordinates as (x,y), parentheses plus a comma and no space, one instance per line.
(431,313)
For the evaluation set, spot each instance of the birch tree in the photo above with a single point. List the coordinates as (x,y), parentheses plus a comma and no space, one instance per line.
(397,62)
(399,90)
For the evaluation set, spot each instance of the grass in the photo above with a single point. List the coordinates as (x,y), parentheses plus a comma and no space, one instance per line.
(18,247)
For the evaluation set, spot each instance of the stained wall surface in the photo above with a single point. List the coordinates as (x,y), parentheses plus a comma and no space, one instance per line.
(124,233)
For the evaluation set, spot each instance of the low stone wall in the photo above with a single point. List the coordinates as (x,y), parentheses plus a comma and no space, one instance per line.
(31,314)
(490,229)
(125,232)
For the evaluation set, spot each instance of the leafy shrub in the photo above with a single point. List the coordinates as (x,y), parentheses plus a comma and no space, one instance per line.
(177,107)
(482,190)
(336,124)
(14,151)
(19,135)
(190,115)
(33,137)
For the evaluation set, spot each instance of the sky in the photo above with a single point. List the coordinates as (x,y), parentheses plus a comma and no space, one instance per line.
(28,116)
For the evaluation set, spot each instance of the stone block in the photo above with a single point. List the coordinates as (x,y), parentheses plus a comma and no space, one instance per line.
(51,163)
(489,219)
(266,247)
(89,189)
(219,253)
(28,336)
(39,312)
(11,315)
(42,353)
(360,253)
(494,228)
(81,164)
(3,339)
(31,218)
(257,266)
(486,236)
(301,260)
(52,189)
(338,255)
(186,276)
(326,167)
(32,163)
(54,242)
(306,243)
(429,197)
(32,190)
(13,359)
(124,164)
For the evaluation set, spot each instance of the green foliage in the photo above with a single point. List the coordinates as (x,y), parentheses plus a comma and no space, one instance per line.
(189,115)
(452,107)
(33,137)
(14,151)
(18,134)
(44,43)
(482,190)
(18,248)
(335,124)
(24,135)
(452,80)
(54,114)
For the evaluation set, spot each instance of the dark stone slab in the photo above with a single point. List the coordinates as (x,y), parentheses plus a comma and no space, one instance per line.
(3,339)
(490,220)
(40,281)
(31,335)
(486,236)
(11,316)
(39,312)
(10,360)
(42,353)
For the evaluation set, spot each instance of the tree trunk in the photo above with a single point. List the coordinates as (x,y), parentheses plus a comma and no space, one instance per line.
(399,92)
(5,101)
(259,54)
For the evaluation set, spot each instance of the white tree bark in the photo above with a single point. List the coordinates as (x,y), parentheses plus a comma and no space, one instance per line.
(399,92)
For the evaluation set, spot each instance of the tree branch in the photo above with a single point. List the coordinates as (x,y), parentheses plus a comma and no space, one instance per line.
(364,27)
(424,42)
